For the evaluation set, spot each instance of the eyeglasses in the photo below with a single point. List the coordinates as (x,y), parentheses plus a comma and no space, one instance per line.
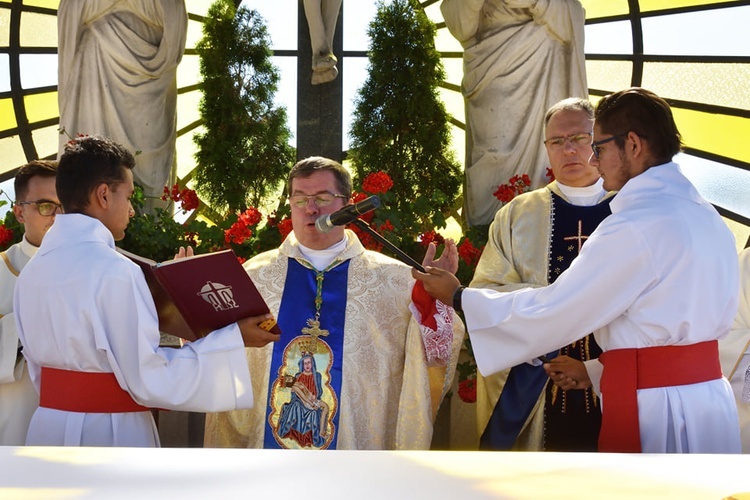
(320,199)
(583,139)
(45,207)
(595,145)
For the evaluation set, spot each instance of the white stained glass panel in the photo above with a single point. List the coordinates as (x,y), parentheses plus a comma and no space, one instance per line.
(47,141)
(355,75)
(286,95)
(720,32)
(281,20)
(721,184)
(609,38)
(4,73)
(38,70)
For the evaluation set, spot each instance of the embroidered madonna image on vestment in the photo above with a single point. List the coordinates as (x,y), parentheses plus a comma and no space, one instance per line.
(302,403)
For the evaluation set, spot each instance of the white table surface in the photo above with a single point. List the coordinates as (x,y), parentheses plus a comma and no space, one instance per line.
(186,473)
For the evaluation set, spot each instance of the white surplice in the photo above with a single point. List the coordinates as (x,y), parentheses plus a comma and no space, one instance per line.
(82,306)
(734,350)
(661,270)
(18,397)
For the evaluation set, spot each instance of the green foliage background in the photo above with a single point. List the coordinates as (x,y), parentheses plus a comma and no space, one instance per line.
(244,154)
(400,125)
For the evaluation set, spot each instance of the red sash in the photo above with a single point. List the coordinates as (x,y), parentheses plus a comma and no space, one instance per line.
(84,392)
(626,370)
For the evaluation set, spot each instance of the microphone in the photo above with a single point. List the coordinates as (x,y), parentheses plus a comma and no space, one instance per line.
(326,223)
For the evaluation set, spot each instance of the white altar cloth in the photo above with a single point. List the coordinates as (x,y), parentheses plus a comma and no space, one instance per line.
(186,473)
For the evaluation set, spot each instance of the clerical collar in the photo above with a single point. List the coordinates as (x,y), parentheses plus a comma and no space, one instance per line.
(584,196)
(320,259)
(27,248)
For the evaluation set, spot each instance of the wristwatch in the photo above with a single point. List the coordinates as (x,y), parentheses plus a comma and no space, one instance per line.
(457,298)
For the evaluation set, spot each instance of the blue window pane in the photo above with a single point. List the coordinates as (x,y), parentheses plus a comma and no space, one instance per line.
(38,70)
(721,184)
(609,38)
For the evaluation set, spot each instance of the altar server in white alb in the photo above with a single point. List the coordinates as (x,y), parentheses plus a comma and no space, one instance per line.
(657,283)
(35,207)
(89,326)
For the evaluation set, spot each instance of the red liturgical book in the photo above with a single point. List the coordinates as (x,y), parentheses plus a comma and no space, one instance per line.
(199,294)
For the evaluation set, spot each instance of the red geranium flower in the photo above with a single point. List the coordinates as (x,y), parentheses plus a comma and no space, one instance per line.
(467,390)
(469,253)
(426,238)
(6,235)
(377,182)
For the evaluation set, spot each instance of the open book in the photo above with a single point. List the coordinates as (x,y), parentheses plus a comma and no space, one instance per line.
(199,294)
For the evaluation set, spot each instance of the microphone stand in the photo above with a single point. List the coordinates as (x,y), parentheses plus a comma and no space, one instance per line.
(402,256)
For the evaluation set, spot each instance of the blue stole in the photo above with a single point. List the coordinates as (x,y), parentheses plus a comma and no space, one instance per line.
(306,415)
(570,226)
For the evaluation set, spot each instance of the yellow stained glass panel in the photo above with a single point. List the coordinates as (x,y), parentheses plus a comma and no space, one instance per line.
(7,116)
(47,4)
(12,154)
(602,8)
(717,84)
(187,105)
(38,30)
(609,75)
(718,134)
(4,27)
(188,71)
(194,33)
(47,141)
(41,106)
(185,150)
(651,5)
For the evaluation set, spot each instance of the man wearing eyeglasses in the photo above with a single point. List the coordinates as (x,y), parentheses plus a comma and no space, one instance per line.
(657,282)
(378,374)
(35,207)
(532,240)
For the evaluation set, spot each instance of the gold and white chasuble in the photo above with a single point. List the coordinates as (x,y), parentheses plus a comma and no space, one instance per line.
(389,392)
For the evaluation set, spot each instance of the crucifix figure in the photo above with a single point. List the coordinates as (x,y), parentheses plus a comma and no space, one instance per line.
(313,329)
(321,19)
(580,237)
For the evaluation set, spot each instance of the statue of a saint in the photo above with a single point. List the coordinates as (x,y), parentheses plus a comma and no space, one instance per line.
(520,57)
(117,66)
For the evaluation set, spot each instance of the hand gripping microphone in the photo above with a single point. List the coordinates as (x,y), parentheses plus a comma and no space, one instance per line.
(326,223)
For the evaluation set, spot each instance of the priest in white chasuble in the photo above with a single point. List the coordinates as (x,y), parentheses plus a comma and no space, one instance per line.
(365,357)
(532,240)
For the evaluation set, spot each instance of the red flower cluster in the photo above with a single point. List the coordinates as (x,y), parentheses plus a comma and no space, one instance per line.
(515,186)
(285,227)
(186,196)
(241,230)
(426,238)
(550,174)
(6,236)
(377,182)
(467,390)
(469,253)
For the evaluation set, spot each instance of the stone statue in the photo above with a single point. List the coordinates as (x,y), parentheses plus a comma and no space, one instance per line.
(117,64)
(520,57)
(321,19)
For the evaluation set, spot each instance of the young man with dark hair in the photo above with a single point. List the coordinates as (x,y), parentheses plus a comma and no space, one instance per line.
(35,207)
(657,283)
(89,326)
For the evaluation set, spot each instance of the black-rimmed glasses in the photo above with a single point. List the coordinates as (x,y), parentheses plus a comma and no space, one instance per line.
(595,145)
(320,199)
(45,208)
